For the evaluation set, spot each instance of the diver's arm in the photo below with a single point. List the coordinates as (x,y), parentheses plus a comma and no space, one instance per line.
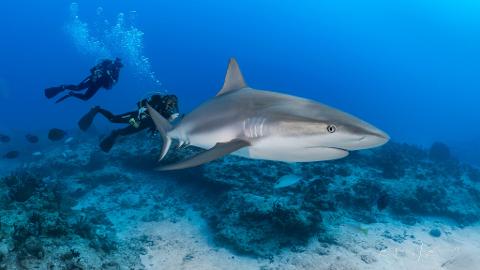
(117,119)
(86,80)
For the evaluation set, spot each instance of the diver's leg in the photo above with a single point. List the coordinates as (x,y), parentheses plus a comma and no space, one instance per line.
(91,91)
(117,119)
(53,91)
(78,87)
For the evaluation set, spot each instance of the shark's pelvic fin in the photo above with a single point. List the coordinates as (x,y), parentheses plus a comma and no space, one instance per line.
(218,151)
(163,126)
(233,79)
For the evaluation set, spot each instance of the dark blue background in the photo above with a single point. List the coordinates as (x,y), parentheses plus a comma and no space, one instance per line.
(411,68)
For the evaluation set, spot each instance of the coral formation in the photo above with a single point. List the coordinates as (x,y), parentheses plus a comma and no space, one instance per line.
(77,210)
(439,152)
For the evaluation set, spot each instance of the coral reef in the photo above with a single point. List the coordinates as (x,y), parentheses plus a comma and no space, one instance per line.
(77,208)
(439,152)
(397,179)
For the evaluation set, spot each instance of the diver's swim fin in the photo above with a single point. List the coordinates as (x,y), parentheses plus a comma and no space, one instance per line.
(53,91)
(107,143)
(86,121)
(218,151)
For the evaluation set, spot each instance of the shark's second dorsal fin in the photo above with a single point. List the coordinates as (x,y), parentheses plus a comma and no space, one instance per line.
(233,79)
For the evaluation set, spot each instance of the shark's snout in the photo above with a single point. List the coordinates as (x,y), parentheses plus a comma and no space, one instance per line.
(367,137)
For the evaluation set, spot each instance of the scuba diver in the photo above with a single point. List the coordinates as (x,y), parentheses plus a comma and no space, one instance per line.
(105,75)
(166,105)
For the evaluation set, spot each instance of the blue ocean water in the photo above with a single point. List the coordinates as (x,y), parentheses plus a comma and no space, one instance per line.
(410,68)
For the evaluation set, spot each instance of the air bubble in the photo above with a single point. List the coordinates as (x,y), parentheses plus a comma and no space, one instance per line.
(106,41)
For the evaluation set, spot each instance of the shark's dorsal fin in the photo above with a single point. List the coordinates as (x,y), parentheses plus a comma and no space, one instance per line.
(233,79)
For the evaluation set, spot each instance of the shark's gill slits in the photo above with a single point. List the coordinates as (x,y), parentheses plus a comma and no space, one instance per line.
(254,127)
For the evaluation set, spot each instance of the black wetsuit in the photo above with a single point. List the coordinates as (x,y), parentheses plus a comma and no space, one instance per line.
(166,106)
(103,75)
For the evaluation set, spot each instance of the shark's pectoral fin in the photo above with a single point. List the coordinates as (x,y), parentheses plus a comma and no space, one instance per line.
(233,79)
(218,151)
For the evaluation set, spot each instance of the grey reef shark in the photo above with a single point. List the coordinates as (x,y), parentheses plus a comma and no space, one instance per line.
(260,124)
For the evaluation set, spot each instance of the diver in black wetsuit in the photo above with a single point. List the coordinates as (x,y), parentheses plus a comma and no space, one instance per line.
(103,75)
(138,120)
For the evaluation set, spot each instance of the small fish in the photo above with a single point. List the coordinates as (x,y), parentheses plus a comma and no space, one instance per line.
(69,140)
(287,180)
(37,154)
(12,154)
(32,138)
(4,138)
(358,228)
(56,134)
(67,153)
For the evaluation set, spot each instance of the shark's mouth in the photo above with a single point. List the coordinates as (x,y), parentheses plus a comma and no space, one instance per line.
(337,148)
(329,147)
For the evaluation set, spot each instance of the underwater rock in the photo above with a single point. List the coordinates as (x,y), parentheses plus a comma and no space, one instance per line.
(382,201)
(473,174)
(390,161)
(367,258)
(263,225)
(435,233)
(56,227)
(439,152)
(34,247)
(72,254)
(97,161)
(104,243)
(36,222)
(4,138)
(235,195)
(111,266)
(22,185)
(399,238)
(19,236)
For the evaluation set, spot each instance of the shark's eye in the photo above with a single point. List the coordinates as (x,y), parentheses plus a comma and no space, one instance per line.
(331,128)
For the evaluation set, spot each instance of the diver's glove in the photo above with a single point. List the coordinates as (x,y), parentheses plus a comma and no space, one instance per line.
(173,117)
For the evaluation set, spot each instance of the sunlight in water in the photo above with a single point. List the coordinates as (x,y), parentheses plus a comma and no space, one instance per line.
(103,40)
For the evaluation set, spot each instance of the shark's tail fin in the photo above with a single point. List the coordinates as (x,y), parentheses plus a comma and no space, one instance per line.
(163,126)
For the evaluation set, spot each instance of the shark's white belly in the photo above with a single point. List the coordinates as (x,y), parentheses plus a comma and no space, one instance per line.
(290,150)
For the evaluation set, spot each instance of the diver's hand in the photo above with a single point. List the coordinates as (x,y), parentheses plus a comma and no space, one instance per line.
(173,117)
